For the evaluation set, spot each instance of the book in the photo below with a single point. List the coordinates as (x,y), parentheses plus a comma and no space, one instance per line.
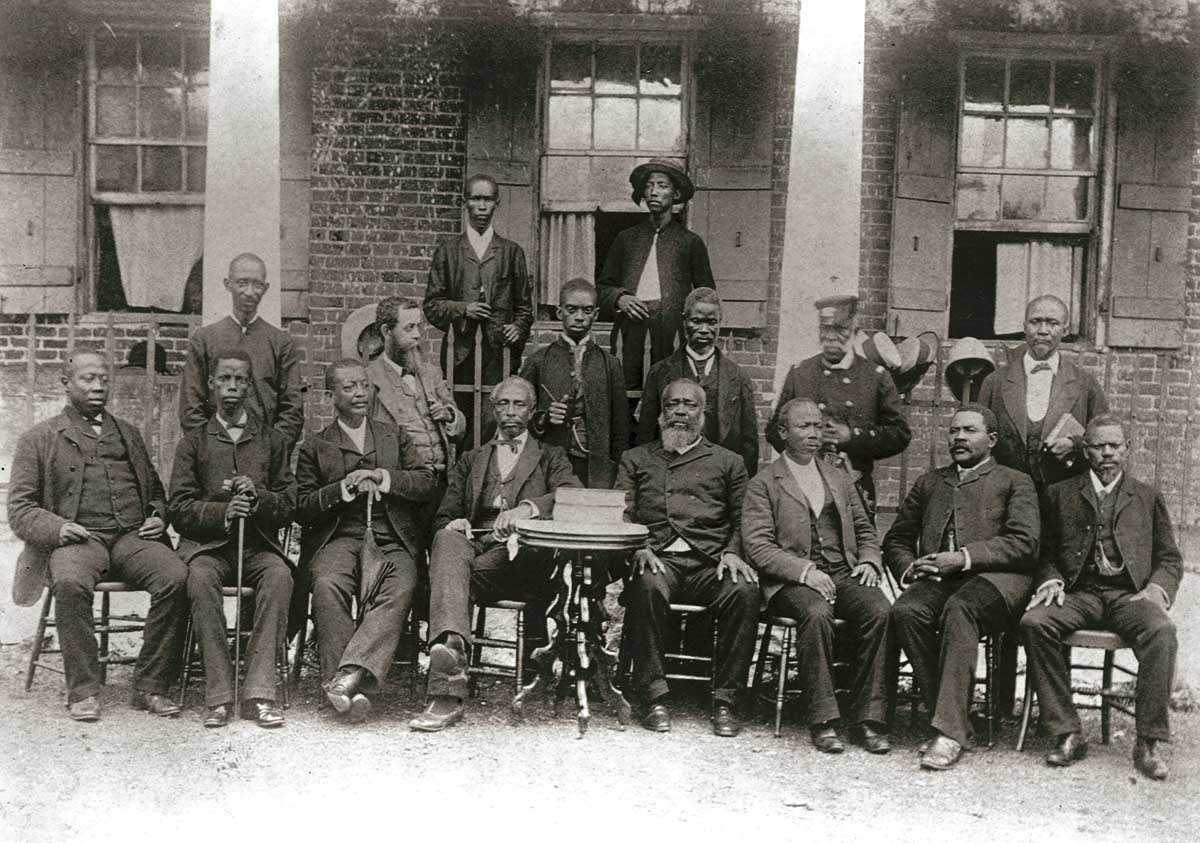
(1067,425)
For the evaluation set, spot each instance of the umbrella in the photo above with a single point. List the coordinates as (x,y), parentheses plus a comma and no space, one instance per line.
(372,566)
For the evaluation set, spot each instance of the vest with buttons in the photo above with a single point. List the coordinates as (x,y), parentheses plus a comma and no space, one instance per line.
(1112,574)
(110,498)
(352,518)
(415,418)
(825,544)
(494,485)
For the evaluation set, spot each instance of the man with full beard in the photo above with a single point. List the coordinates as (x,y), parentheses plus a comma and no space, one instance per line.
(688,492)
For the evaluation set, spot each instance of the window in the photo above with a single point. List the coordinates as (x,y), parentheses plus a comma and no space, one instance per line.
(147,125)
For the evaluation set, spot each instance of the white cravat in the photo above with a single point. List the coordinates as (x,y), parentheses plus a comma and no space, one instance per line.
(506,458)
(808,477)
(479,242)
(649,288)
(697,361)
(234,429)
(1037,385)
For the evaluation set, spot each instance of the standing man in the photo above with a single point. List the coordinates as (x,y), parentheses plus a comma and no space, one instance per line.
(808,534)
(275,396)
(1109,561)
(85,499)
(478,281)
(1033,394)
(235,468)
(729,417)
(688,492)
(963,547)
(339,469)
(651,268)
(859,398)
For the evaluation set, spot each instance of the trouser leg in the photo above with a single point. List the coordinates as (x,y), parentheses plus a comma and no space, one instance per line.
(647,615)
(1155,643)
(271,579)
(373,645)
(154,567)
(207,572)
(734,609)
(450,585)
(915,617)
(865,609)
(333,589)
(74,571)
(1042,632)
(814,646)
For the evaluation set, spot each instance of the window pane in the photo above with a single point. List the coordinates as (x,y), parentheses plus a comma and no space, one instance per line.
(1029,86)
(1022,197)
(982,142)
(116,58)
(1071,144)
(1066,199)
(162,113)
(1027,143)
(985,84)
(197,113)
(570,124)
(661,71)
(162,63)
(197,61)
(616,68)
(116,168)
(161,168)
(978,197)
(571,67)
(114,112)
(616,123)
(659,126)
(1074,83)
(196,158)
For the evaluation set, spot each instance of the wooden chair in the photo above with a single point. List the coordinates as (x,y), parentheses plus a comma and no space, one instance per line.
(783,660)
(676,662)
(476,666)
(1110,695)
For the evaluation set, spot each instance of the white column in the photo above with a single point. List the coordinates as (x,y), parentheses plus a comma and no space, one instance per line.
(241,198)
(821,236)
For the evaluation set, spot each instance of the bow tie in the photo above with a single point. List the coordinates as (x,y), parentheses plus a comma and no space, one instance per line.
(1040,367)
(512,444)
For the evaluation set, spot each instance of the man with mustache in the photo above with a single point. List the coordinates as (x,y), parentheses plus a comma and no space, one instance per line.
(688,492)
(963,547)
(1108,561)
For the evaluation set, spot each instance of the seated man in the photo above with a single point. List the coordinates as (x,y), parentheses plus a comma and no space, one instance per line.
(511,478)
(89,505)
(229,468)
(1108,561)
(338,469)
(806,531)
(688,492)
(963,547)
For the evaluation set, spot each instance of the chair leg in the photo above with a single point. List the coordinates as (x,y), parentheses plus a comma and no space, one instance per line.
(414,652)
(301,644)
(989,688)
(35,651)
(105,612)
(760,663)
(476,648)
(520,666)
(781,685)
(187,661)
(624,662)
(1026,711)
(1105,706)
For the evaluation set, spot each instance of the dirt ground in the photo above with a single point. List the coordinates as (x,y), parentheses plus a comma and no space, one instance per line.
(132,777)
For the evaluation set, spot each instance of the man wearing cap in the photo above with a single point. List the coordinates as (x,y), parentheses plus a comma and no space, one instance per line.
(859,398)
(651,268)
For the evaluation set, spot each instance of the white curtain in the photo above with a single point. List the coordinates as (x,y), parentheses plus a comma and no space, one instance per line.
(568,251)
(1033,268)
(156,247)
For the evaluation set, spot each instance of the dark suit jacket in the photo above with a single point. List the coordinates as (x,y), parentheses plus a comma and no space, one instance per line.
(44,490)
(384,398)
(1142,531)
(995,513)
(697,496)
(539,471)
(1074,391)
(605,405)
(777,531)
(204,459)
(736,420)
(505,283)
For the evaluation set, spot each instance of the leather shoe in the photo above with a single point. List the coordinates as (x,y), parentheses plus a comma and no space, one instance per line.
(216,717)
(942,754)
(340,689)
(825,739)
(924,745)
(159,705)
(86,710)
(658,719)
(1147,760)
(360,708)
(724,722)
(1071,747)
(872,741)
(267,714)
(440,713)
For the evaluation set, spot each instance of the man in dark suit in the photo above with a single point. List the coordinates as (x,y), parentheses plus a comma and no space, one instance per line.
(1108,561)
(808,534)
(859,398)
(511,478)
(688,492)
(479,281)
(338,470)
(729,417)
(235,468)
(1032,394)
(650,269)
(85,499)
(963,546)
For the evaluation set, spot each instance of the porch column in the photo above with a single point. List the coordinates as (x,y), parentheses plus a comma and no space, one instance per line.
(821,238)
(241,198)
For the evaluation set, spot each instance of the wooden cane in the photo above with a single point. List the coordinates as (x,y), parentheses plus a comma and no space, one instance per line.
(237,623)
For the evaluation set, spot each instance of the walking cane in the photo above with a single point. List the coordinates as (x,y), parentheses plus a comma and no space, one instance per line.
(237,623)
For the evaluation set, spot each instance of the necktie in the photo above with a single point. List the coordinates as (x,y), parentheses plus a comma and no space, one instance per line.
(1040,367)
(512,444)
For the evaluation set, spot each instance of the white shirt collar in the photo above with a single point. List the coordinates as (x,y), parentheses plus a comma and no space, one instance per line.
(479,242)
(845,363)
(572,344)
(1098,484)
(243,325)
(1051,361)
(241,422)
(520,440)
(964,471)
(358,435)
(393,364)
(695,355)
(687,448)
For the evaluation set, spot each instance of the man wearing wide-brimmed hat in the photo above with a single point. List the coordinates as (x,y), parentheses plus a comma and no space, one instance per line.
(652,267)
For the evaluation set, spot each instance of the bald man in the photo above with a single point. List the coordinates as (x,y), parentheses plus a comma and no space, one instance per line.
(274,397)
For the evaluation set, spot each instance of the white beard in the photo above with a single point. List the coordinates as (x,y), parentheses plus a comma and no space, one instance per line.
(678,438)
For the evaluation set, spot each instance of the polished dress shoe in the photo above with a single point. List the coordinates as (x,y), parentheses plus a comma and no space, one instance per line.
(340,689)
(825,739)
(942,754)
(159,705)
(1071,747)
(1147,760)
(872,741)
(657,719)
(440,713)
(216,717)
(924,745)
(360,708)
(266,713)
(724,722)
(86,710)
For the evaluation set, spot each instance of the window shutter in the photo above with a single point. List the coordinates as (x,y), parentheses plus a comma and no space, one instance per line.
(923,211)
(1155,108)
